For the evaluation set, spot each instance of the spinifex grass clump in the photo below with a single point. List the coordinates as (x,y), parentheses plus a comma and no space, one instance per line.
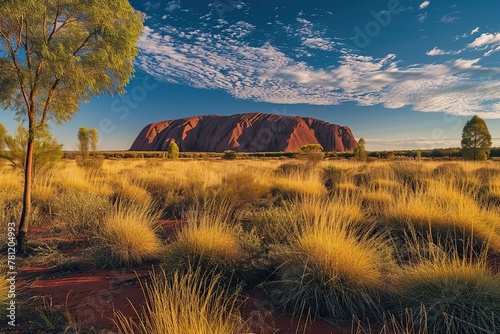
(80,211)
(187,303)
(332,270)
(128,237)
(207,240)
(445,293)
(447,212)
(306,182)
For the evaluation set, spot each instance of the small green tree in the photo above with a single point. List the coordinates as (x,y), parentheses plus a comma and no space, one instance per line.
(229,155)
(84,139)
(94,139)
(360,150)
(173,150)
(476,140)
(418,155)
(47,151)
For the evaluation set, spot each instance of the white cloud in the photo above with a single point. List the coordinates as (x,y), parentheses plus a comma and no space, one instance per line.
(313,39)
(485,39)
(424,4)
(318,43)
(435,52)
(475,30)
(439,52)
(490,42)
(264,73)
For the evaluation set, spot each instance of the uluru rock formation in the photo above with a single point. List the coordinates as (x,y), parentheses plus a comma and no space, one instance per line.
(251,132)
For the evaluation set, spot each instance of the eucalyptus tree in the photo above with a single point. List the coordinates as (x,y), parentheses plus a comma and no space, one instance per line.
(55,54)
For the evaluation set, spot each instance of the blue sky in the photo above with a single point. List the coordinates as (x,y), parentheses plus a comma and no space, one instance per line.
(401,74)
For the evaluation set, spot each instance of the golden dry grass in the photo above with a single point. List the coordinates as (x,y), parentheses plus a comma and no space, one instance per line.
(324,226)
(185,303)
(128,237)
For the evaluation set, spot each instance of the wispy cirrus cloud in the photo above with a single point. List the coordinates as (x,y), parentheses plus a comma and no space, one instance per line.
(264,73)
(173,5)
(450,18)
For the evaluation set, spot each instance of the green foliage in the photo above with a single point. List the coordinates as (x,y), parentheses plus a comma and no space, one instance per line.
(229,155)
(360,151)
(70,52)
(94,139)
(476,140)
(47,151)
(88,138)
(173,150)
(84,139)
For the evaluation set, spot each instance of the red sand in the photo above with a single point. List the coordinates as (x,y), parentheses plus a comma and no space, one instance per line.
(90,296)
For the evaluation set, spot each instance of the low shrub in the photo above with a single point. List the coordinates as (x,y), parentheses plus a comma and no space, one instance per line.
(229,155)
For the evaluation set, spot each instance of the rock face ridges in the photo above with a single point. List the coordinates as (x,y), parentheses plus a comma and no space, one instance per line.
(250,132)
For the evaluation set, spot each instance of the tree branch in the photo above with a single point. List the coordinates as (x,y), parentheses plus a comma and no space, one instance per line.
(18,71)
(50,95)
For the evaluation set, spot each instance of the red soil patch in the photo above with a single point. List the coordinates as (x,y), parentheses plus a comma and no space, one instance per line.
(90,296)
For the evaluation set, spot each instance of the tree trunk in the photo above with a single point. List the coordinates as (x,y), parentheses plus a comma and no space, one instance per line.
(22,234)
